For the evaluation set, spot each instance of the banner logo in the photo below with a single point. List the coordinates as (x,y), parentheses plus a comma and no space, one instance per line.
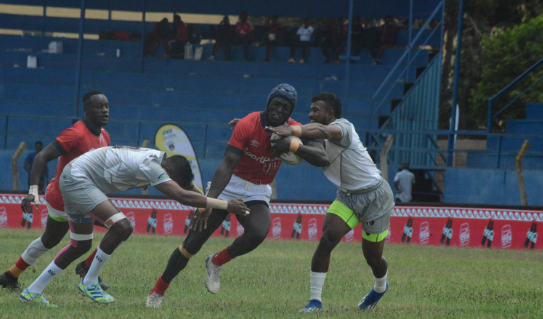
(507,236)
(44,215)
(168,224)
(132,218)
(297,227)
(312,229)
(349,236)
(408,231)
(225,229)
(241,230)
(3,217)
(152,222)
(531,236)
(172,140)
(464,234)
(424,234)
(276,230)
(447,233)
(488,235)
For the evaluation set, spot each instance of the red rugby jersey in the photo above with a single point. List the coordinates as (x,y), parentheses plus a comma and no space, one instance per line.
(257,164)
(72,142)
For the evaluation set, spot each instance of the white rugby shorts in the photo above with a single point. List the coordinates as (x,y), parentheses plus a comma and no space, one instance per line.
(240,188)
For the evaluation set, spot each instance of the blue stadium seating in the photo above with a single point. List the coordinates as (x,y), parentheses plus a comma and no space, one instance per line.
(534,111)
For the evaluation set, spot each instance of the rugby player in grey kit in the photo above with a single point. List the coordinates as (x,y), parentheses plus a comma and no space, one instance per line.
(363,196)
(84,184)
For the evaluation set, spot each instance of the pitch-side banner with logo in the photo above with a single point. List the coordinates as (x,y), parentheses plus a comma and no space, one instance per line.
(172,139)
(424,225)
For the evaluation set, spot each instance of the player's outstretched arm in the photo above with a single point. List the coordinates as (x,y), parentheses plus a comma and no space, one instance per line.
(38,165)
(190,198)
(311,151)
(308,131)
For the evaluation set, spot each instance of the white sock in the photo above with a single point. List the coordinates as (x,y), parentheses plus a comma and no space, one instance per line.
(45,278)
(97,264)
(380,284)
(34,251)
(316,280)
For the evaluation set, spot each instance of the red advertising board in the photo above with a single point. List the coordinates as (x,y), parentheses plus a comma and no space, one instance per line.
(420,225)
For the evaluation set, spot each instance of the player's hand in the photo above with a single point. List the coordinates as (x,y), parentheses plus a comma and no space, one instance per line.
(233,122)
(280,130)
(280,146)
(238,207)
(27,201)
(199,220)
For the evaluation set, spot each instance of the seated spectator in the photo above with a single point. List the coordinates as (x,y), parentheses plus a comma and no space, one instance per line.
(303,40)
(388,36)
(357,37)
(162,33)
(333,40)
(272,36)
(181,38)
(244,34)
(223,36)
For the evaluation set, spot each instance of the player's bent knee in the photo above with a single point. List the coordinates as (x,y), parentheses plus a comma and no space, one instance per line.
(122,229)
(330,238)
(80,243)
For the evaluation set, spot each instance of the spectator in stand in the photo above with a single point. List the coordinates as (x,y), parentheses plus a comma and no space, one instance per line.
(403,181)
(223,36)
(333,40)
(162,33)
(244,33)
(357,37)
(38,146)
(303,40)
(272,36)
(388,35)
(181,38)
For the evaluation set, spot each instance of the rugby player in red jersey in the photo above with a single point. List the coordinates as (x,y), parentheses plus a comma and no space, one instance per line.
(82,137)
(247,169)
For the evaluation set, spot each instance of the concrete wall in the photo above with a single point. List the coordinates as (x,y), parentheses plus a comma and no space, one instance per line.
(491,186)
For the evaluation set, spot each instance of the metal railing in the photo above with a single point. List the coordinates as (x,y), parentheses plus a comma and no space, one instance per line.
(400,153)
(491,101)
(440,8)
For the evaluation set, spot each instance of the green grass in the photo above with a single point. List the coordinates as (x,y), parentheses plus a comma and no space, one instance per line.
(273,282)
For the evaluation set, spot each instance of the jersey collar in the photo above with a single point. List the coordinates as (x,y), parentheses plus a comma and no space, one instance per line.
(87,124)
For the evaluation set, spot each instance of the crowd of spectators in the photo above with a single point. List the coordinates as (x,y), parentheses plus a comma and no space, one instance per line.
(177,38)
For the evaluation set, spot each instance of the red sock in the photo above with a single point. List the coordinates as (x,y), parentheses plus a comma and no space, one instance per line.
(221,258)
(160,287)
(89,259)
(21,264)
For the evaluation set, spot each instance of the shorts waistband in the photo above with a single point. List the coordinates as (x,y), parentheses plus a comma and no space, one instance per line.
(364,190)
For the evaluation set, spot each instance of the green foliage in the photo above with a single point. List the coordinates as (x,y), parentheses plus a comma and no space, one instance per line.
(273,282)
(507,55)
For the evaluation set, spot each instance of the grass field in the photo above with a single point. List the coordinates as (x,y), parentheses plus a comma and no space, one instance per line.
(273,282)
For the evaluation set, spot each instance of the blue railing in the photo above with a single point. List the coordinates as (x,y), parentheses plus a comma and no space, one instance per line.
(491,101)
(406,56)
(398,154)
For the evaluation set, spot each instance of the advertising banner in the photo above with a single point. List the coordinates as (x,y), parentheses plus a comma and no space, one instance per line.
(172,139)
(417,225)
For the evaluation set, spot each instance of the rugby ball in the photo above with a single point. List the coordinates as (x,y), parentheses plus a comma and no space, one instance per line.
(288,157)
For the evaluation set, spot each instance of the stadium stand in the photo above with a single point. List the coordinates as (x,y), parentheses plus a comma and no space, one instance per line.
(199,96)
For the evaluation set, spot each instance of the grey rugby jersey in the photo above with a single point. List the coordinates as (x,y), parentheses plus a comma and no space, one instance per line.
(351,167)
(118,168)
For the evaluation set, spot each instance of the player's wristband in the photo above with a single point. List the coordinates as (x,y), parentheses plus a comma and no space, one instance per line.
(297,130)
(294,146)
(216,203)
(33,190)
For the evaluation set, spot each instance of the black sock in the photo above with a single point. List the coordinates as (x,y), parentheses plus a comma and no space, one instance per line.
(176,263)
